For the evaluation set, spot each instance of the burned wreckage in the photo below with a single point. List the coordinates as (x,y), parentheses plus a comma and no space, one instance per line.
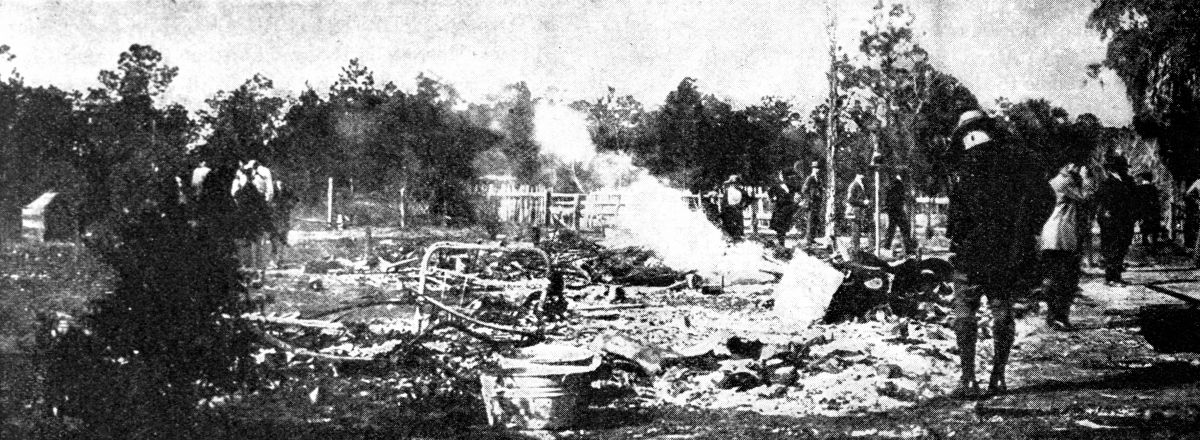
(514,297)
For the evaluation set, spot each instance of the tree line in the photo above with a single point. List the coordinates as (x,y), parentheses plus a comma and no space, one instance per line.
(115,145)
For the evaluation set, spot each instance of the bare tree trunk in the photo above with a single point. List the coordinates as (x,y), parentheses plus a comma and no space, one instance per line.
(831,128)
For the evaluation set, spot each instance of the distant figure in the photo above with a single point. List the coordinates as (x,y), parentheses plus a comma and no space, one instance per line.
(783,200)
(198,175)
(256,175)
(1087,218)
(895,203)
(812,198)
(253,191)
(1191,220)
(856,209)
(1059,244)
(1150,214)
(281,213)
(734,200)
(1116,215)
(991,226)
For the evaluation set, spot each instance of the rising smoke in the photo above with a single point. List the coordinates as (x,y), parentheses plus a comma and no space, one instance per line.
(654,215)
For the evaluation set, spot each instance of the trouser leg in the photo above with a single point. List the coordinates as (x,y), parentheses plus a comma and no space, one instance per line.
(1003,334)
(1109,251)
(816,225)
(1117,249)
(905,227)
(855,232)
(966,302)
(1062,279)
(886,242)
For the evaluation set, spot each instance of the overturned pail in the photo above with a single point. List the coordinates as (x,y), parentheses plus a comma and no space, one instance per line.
(543,387)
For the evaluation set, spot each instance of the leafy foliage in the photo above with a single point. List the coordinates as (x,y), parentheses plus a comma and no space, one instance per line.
(382,140)
(1152,47)
(242,122)
(696,140)
(126,148)
(36,126)
(893,91)
(163,339)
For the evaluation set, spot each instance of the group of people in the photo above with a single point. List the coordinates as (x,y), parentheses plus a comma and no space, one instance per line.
(1004,243)
(798,203)
(789,195)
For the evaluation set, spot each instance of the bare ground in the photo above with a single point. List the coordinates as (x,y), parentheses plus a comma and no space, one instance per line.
(1101,381)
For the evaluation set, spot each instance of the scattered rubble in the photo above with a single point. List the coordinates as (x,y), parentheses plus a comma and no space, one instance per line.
(844,336)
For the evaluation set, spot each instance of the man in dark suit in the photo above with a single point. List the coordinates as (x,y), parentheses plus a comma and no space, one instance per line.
(1116,216)
(895,205)
(992,228)
(783,200)
(812,201)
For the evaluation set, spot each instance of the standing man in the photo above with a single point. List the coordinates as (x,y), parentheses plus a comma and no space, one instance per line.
(1116,216)
(198,175)
(1059,244)
(1150,217)
(992,230)
(1191,220)
(783,213)
(895,204)
(812,193)
(733,201)
(856,208)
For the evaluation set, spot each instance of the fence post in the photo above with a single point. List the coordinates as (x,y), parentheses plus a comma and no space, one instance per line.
(577,210)
(754,213)
(549,203)
(403,207)
(368,247)
(329,203)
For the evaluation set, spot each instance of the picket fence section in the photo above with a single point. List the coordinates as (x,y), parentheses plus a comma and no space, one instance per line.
(594,211)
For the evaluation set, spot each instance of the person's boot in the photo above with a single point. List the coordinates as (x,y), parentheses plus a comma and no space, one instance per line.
(966,332)
(1003,334)
(1058,302)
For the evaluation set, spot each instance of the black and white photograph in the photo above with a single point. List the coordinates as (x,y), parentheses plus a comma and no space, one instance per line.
(599,219)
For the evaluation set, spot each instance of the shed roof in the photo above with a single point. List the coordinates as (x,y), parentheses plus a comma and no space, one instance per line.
(41,202)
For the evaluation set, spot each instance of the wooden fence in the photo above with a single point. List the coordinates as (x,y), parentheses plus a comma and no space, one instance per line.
(594,211)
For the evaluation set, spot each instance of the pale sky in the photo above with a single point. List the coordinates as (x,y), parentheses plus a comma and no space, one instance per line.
(564,49)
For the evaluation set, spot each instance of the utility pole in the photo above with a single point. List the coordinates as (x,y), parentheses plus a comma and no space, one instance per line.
(831,127)
(875,164)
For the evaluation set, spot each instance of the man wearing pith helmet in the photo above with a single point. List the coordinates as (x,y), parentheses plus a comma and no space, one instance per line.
(992,227)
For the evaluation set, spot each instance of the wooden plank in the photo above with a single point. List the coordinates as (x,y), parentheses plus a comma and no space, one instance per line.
(1157,286)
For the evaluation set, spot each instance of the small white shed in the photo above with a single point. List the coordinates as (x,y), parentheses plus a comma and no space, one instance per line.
(50,217)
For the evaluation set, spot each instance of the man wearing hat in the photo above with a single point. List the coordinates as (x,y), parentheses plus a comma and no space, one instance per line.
(992,229)
(811,192)
(1116,217)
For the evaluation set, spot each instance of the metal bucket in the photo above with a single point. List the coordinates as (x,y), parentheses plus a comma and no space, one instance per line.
(528,394)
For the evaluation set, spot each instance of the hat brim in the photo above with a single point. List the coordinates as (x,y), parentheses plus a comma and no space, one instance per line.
(970,125)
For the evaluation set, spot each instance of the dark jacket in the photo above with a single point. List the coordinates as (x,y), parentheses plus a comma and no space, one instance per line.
(811,191)
(784,201)
(894,198)
(1147,197)
(1115,204)
(992,219)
